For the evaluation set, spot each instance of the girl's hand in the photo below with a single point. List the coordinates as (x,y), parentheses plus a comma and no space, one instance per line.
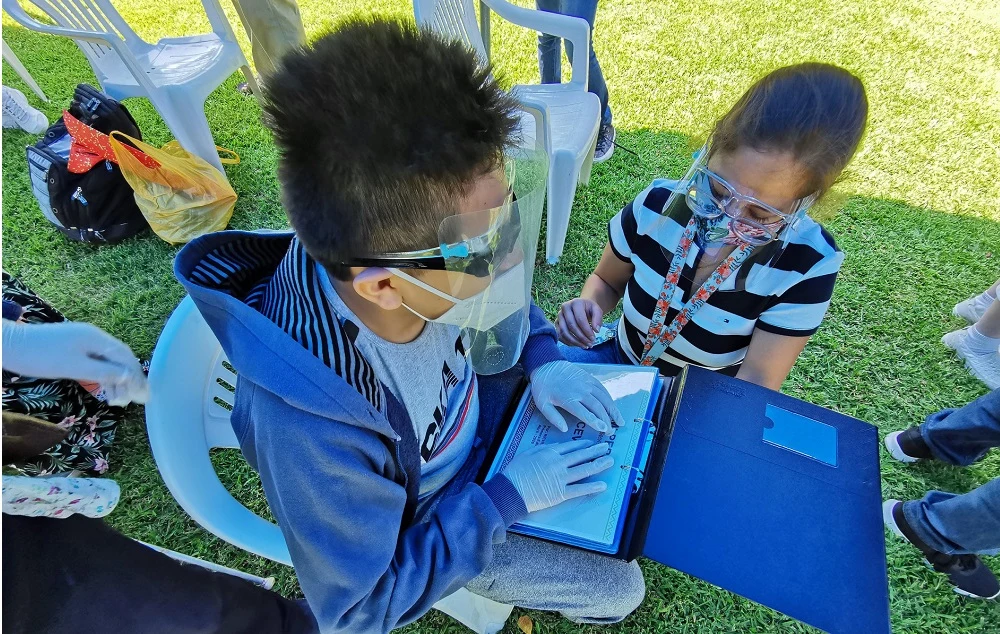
(578,322)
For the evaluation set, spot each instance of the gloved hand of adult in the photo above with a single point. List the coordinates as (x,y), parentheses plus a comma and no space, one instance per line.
(549,474)
(78,351)
(566,386)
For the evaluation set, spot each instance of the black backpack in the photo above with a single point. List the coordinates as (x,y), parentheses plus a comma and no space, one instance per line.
(99,205)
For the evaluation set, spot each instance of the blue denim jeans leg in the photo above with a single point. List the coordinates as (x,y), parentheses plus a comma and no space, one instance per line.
(970,522)
(606,352)
(550,50)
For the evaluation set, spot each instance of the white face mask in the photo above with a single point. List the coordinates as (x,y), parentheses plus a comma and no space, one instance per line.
(484,310)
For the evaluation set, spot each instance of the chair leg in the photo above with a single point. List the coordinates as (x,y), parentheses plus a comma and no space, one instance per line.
(562,186)
(266,583)
(588,162)
(22,72)
(186,119)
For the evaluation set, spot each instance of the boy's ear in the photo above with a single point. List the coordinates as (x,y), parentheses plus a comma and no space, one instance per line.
(376,285)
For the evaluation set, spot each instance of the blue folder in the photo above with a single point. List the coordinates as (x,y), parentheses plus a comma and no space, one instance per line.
(771,498)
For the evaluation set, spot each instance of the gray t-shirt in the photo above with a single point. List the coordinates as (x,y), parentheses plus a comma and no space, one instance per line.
(435,384)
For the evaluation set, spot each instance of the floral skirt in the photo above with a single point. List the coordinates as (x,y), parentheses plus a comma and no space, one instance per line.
(91,422)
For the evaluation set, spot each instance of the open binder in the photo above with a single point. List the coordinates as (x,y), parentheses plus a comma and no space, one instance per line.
(759,493)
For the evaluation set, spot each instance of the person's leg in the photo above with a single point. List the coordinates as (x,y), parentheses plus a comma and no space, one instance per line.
(274,27)
(549,48)
(77,574)
(963,436)
(972,309)
(583,586)
(989,324)
(979,346)
(587,9)
(958,524)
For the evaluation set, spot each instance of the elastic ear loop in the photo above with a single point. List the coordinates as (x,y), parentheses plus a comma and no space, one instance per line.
(424,285)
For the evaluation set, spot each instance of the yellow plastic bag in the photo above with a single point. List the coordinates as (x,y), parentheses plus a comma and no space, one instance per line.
(180,194)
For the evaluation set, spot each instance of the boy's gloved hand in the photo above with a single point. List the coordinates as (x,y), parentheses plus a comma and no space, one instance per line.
(78,351)
(545,475)
(561,384)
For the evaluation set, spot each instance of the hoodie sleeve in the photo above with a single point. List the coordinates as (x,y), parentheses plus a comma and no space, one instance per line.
(540,348)
(331,487)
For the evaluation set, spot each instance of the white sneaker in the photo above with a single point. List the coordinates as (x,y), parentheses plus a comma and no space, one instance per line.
(972,309)
(983,366)
(17,113)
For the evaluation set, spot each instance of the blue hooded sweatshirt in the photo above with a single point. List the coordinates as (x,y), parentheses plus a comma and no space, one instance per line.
(336,452)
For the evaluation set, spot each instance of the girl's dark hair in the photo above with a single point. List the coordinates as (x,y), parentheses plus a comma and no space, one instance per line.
(817,112)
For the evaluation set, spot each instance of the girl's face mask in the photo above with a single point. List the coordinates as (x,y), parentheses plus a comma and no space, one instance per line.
(726,217)
(715,233)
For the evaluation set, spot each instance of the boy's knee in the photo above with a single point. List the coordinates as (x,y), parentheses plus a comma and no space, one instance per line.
(623,590)
(632,587)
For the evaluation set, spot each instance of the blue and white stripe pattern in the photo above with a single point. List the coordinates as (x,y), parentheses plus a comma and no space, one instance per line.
(280,281)
(786,295)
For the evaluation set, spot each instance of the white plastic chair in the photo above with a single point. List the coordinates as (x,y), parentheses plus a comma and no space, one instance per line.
(570,116)
(175,74)
(22,72)
(192,385)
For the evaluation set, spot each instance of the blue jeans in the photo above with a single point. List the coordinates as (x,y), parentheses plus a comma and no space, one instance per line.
(607,352)
(550,50)
(584,587)
(970,523)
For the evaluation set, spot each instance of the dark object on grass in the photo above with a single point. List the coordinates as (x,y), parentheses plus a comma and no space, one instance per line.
(24,436)
(97,206)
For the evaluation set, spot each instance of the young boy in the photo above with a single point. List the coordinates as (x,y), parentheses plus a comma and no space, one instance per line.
(360,341)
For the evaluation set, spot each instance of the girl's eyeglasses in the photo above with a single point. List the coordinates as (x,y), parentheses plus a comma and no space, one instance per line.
(754,221)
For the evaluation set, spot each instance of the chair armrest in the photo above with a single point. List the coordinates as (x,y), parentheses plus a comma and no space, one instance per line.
(576,30)
(14,10)
(539,111)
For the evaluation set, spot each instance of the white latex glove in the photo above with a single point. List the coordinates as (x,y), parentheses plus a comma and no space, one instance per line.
(78,351)
(563,385)
(545,475)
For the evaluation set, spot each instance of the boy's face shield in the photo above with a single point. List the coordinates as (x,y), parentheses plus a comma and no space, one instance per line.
(479,275)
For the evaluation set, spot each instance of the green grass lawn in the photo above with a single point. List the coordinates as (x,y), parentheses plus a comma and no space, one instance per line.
(920,225)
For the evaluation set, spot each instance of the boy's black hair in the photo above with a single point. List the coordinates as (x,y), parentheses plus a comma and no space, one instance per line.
(381,128)
(818,112)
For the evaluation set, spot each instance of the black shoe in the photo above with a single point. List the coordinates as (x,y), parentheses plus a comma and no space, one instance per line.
(908,445)
(605,143)
(967,573)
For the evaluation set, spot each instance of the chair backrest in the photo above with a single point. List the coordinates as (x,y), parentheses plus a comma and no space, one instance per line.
(98,16)
(191,388)
(453,18)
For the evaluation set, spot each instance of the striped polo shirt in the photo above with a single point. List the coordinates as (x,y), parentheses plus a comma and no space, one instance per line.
(785,292)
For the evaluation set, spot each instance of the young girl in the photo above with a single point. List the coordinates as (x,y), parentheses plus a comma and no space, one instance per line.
(724,269)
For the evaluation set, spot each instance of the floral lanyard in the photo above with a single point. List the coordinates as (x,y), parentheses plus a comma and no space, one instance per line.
(660,336)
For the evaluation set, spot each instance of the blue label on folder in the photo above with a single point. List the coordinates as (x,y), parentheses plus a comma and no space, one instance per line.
(801,434)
